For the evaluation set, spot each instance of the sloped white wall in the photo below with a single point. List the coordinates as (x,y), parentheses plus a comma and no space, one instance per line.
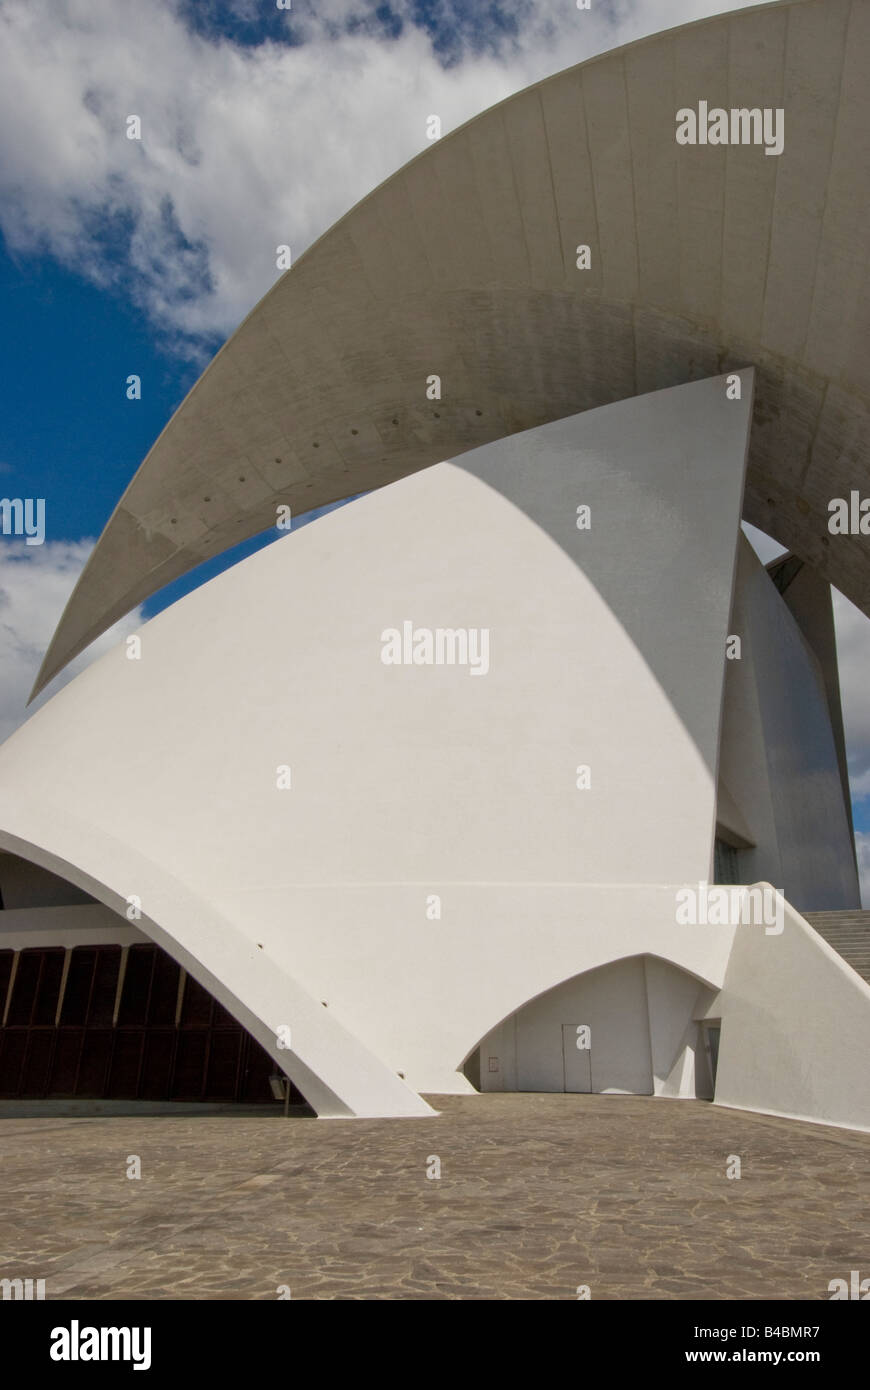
(795,1028)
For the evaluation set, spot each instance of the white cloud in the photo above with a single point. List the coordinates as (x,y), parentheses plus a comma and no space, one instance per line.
(243,148)
(35,583)
(862,848)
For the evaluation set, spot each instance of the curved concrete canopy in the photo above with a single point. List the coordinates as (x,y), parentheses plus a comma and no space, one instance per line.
(463,265)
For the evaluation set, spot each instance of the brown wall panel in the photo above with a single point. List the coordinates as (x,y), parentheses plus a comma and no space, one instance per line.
(157,1065)
(222,1078)
(48,990)
(78,986)
(126,1061)
(190,1064)
(6,959)
(37,1061)
(104,987)
(65,1061)
(13,1045)
(209,1057)
(94,1064)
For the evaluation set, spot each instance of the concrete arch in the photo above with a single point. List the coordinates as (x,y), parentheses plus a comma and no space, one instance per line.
(337,1074)
(627,1025)
(463,265)
(672,956)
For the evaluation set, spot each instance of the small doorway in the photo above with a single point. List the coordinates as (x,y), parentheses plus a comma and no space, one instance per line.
(576,1058)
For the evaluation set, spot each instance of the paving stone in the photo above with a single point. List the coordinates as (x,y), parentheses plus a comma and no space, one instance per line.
(538,1194)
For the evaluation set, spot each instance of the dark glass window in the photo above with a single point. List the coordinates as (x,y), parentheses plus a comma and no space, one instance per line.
(725,866)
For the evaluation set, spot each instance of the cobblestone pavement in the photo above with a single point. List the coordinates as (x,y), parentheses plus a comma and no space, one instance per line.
(538,1194)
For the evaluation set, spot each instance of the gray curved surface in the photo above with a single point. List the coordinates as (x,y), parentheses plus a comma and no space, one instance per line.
(462,264)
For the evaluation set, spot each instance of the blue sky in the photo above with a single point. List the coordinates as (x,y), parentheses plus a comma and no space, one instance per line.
(69,433)
(260,126)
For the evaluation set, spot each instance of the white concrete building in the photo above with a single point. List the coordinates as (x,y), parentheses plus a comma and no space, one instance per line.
(433,795)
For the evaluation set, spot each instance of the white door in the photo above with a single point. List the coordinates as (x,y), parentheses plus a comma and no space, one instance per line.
(576,1057)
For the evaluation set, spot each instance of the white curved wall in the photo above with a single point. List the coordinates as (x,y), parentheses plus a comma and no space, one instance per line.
(159,776)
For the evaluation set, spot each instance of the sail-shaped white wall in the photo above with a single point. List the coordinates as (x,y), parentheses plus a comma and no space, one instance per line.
(432,863)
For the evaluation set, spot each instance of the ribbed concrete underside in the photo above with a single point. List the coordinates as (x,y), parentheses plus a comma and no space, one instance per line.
(464,265)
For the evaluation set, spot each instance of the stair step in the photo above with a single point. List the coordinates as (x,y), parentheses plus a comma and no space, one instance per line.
(848,933)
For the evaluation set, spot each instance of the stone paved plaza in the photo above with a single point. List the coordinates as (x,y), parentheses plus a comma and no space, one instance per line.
(538,1194)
